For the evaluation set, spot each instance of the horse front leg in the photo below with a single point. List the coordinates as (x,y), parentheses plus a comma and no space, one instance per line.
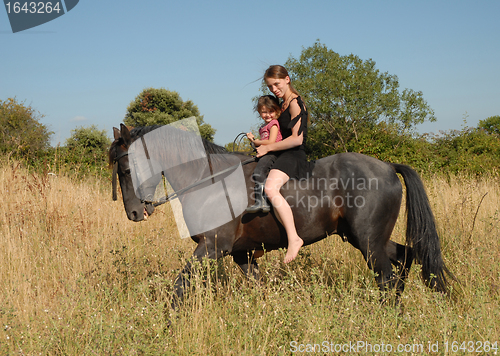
(246,261)
(205,249)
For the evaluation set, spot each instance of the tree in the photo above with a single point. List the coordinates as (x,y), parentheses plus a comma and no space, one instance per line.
(162,107)
(491,125)
(346,96)
(21,132)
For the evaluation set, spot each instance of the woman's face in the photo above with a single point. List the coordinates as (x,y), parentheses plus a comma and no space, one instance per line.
(277,86)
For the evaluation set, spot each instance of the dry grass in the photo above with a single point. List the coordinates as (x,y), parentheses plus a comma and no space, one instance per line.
(79,278)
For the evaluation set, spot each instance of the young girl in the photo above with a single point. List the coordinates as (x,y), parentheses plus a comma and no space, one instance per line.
(269,110)
(291,161)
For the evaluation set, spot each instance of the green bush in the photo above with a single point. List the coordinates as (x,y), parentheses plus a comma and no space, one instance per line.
(470,150)
(84,153)
(491,125)
(21,133)
(384,141)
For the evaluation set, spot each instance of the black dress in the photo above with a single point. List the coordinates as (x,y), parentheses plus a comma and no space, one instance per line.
(293,161)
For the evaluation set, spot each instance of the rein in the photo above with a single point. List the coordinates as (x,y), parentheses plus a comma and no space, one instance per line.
(240,137)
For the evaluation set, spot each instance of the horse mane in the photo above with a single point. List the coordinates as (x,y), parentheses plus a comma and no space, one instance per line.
(137,132)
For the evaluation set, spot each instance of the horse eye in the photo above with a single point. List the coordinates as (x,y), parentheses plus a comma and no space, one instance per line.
(127,171)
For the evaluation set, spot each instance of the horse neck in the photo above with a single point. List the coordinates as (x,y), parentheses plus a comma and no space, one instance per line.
(183,157)
(184,174)
(179,155)
(188,173)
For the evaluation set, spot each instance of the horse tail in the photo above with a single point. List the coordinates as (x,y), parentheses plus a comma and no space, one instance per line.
(421,231)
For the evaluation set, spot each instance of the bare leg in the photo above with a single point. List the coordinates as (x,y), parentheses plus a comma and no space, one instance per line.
(274,182)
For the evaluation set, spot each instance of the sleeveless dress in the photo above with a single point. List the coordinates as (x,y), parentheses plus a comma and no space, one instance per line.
(293,161)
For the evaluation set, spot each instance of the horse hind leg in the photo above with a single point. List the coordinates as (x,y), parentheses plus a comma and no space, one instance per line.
(377,259)
(402,258)
(379,262)
(375,255)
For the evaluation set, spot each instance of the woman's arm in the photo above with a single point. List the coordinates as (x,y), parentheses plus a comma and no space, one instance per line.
(293,141)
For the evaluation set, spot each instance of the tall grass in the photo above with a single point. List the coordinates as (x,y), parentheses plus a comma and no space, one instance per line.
(78,278)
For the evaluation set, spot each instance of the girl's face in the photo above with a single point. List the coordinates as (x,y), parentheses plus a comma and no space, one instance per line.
(267,114)
(277,86)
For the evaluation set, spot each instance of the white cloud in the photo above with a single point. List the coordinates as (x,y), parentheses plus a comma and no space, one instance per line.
(79,118)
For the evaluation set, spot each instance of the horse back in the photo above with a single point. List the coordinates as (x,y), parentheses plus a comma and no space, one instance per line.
(339,188)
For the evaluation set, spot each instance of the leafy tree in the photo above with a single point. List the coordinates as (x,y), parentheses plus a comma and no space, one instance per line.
(347,97)
(491,125)
(21,132)
(162,107)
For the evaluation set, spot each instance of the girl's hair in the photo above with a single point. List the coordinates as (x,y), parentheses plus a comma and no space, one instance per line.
(279,72)
(270,102)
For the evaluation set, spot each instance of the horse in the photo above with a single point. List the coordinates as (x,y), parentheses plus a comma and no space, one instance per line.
(355,196)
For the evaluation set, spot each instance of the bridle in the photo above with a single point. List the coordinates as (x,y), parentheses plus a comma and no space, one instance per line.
(176,193)
(115,172)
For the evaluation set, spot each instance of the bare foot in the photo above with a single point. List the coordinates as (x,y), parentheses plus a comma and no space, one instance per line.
(294,246)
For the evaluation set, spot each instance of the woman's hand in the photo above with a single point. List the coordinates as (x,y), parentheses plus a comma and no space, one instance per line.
(250,136)
(262,150)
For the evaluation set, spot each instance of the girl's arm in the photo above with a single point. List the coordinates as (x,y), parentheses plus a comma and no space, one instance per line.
(293,141)
(273,134)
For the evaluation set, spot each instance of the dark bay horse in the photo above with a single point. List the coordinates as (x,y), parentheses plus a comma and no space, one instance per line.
(355,196)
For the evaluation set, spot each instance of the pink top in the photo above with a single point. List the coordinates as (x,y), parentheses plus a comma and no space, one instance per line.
(265,129)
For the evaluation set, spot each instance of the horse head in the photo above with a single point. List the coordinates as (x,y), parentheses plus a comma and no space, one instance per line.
(136,209)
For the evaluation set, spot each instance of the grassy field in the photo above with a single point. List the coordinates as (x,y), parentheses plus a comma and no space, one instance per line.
(77,278)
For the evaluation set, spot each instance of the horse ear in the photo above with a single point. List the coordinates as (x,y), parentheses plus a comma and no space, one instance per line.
(116,133)
(125,134)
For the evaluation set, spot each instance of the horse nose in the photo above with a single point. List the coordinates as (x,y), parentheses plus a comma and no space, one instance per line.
(134,215)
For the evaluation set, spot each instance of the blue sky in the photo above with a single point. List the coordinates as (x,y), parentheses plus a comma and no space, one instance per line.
(85,67)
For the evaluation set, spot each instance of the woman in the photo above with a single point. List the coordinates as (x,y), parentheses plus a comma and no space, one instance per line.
(292,160)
